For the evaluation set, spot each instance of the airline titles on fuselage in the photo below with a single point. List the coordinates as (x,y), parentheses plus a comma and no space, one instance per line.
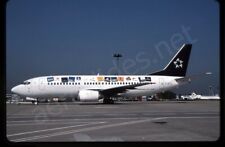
(96,80)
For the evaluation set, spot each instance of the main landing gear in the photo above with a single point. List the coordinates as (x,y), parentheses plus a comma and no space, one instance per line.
(35,102)
(108,101)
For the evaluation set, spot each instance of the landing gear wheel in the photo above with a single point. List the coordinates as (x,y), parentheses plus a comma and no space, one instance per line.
(111,101)
(108,101)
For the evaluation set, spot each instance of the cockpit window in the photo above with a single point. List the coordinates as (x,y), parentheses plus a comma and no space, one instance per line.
(26,82)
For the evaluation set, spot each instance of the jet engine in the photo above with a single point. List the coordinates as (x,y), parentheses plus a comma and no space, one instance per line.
(88,95)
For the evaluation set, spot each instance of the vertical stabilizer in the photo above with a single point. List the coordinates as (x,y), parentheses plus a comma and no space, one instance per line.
(179,63)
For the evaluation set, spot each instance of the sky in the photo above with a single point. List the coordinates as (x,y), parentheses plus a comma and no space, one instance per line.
(52,37)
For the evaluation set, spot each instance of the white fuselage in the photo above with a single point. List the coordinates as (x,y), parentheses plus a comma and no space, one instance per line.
(54,86)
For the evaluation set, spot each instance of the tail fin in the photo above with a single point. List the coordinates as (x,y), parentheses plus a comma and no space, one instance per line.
(178,65)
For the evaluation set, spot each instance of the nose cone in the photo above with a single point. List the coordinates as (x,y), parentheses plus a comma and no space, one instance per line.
(14,89)
(17,90)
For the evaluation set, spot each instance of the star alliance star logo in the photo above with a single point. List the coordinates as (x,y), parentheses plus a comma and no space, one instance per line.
(178,63)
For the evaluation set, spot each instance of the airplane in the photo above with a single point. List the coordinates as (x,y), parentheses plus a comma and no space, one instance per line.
(106,87)
(213,97)
(195,96)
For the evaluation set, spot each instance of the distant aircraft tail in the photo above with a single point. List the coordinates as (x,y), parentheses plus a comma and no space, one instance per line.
(178,65)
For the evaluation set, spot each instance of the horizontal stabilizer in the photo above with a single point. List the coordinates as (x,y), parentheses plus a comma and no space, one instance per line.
(191,78)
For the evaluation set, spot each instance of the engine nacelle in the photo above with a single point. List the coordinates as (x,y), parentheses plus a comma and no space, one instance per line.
(88,95)
(31,99)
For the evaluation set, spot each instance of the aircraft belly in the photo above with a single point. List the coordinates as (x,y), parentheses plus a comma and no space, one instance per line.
(56,92)
(139,92)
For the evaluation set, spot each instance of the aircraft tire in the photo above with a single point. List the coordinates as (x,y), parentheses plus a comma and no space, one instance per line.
(108,101)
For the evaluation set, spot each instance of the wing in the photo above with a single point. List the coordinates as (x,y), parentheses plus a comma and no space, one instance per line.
(121,89)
